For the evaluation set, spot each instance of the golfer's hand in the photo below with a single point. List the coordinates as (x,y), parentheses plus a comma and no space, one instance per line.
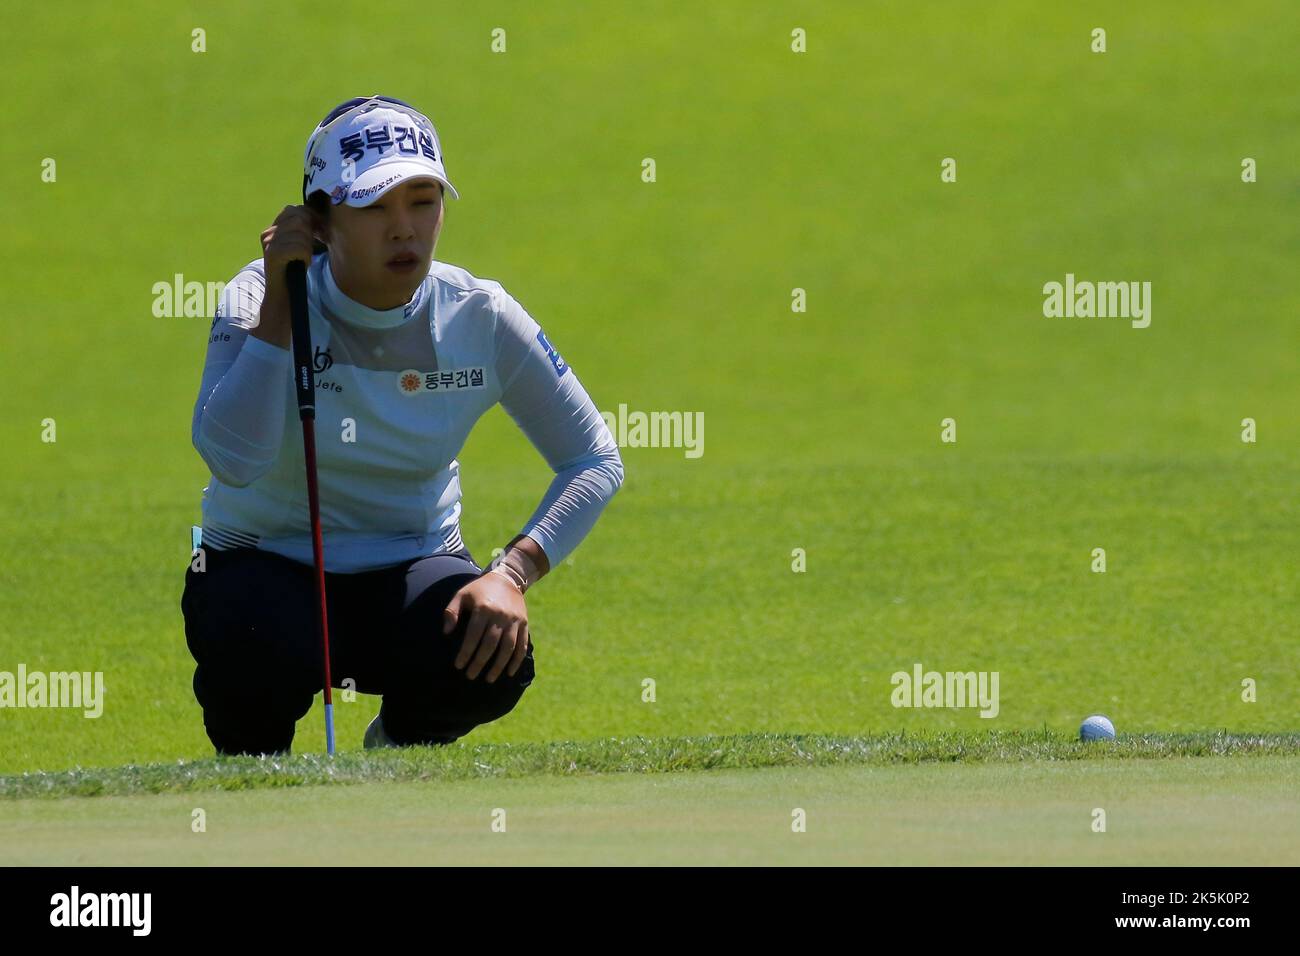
(288,239)
(496,636)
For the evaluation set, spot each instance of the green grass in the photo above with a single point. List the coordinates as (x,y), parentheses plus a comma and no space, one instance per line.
(1173,812)
(775,171)
(613,755)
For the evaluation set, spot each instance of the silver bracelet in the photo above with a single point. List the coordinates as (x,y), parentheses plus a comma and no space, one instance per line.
(522,566)
(511,575)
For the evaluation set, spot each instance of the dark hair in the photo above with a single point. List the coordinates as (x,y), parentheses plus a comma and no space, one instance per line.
(319,203)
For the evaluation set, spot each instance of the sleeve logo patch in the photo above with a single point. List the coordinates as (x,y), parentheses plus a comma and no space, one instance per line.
(551,353)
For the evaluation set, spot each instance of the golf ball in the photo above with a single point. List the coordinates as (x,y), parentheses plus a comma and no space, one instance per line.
(1097,727)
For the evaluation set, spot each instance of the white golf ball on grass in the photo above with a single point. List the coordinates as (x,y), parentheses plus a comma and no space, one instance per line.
(1096,727)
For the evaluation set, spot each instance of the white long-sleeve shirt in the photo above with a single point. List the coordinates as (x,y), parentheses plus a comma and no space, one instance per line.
(397,393)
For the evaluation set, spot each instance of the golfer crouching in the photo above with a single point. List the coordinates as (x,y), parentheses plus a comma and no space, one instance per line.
(408,353)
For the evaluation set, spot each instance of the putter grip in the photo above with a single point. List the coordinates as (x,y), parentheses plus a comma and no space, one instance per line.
(295,275)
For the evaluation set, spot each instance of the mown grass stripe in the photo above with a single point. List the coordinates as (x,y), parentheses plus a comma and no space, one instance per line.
(625,755)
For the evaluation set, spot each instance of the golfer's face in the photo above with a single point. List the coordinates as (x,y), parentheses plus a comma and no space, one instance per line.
(381,252)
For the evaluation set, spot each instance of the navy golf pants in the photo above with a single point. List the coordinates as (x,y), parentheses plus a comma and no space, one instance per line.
(250,623)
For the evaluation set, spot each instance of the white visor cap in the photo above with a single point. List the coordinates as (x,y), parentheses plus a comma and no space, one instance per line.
(369,149)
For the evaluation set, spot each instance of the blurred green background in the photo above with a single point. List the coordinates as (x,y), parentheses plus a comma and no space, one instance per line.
(775,170)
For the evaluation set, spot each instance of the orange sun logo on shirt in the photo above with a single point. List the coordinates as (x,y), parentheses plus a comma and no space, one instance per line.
(408,382)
